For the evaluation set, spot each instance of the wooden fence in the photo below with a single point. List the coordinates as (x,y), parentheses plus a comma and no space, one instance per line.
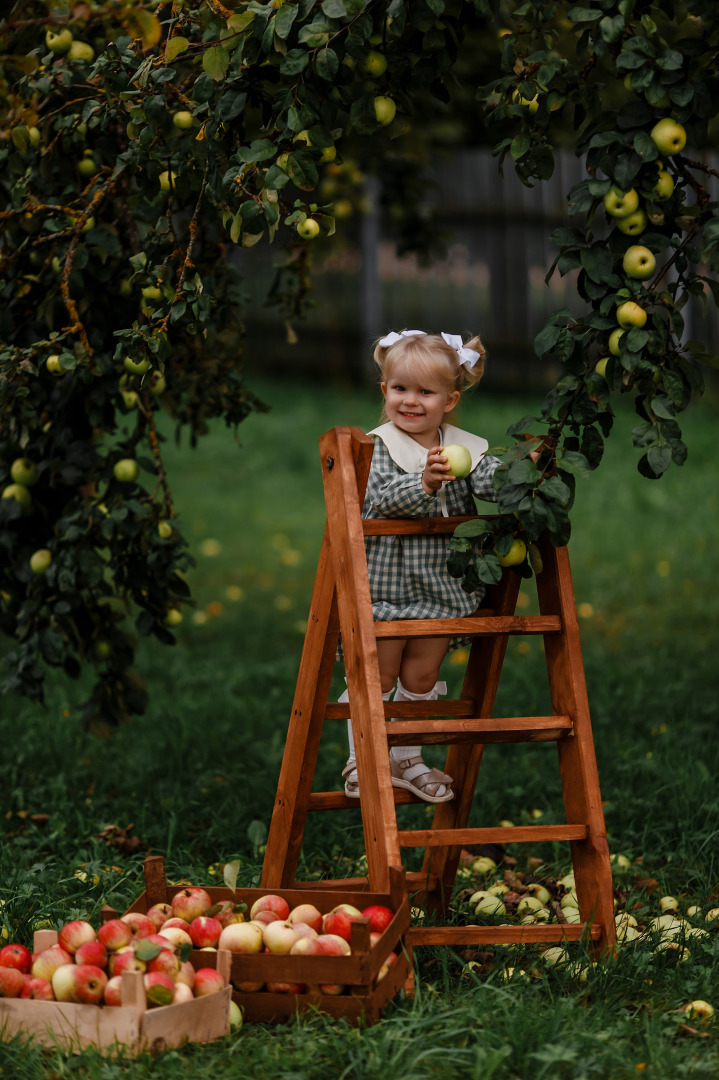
(492,280)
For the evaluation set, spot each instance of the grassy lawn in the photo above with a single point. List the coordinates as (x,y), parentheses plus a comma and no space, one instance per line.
(197,773)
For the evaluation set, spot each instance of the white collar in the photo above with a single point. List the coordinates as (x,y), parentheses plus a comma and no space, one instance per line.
(411,457)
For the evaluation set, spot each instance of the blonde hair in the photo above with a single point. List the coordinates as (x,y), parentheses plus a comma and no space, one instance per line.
(429,357)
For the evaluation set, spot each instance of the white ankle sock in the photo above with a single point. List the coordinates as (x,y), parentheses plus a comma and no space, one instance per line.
(344,696)
(403,753)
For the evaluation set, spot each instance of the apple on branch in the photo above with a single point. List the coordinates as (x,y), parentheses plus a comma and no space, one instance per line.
(620,204)
(639,262)
(634,224)
(631,314)
(669,136)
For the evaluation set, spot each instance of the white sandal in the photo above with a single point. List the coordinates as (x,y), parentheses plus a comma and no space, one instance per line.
(351,781)
(430,785)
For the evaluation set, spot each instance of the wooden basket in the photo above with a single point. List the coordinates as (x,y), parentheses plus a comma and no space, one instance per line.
(130,1027)
(363,997)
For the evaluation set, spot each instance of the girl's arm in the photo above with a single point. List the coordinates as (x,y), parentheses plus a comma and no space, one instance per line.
(481,479)
(392,492)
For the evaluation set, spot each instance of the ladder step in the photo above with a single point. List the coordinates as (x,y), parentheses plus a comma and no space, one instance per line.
(517,834)
(508,729)
(337,800)
(407,526)
(501,935)
(464,707)
(495,624)
(361,884)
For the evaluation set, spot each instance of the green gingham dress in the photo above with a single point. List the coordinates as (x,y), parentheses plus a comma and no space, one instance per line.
(408,574)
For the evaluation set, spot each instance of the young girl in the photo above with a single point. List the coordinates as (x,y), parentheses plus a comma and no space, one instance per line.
(423,376)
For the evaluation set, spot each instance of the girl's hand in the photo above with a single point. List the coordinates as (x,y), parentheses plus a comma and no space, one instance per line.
(436,471)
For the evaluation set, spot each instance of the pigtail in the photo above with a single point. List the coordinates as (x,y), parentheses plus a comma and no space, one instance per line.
(472,375)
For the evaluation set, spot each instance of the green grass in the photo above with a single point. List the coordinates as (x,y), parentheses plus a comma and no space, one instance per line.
(195,773)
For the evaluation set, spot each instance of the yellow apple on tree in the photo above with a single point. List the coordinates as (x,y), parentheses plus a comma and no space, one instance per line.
(53,365)
(459,460)
(173,617)
(80,50)
(664,186)
(384,110)
(308,229)
(620,204)
(614,341)
(21,495)
(601,366)
(40,560)
(58,42)
(633,224)
(166,180)
(374,63)
(639,262)
(669,136)
(183,120)
(516,554)
(631,314)
(126,470)
(24,471)
(136,367)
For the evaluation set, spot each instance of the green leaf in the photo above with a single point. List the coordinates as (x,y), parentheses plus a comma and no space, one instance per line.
(302,170)
(533,514)
(334,9)
(230,872)
(488,569)
(146,950)
(574,463)
(257,833)
(520,144)
(555,489)
(582,14)
(327,64)
(215,63)
(471,529)
(284,20)
(295,61)
(546,339)
(659,458)
(175,46)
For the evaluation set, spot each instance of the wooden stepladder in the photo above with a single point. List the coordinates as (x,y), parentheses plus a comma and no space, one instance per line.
(341,601)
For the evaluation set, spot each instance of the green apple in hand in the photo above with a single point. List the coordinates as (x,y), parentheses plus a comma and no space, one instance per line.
(669,136)
(620,204)
(639,262)
(459,460)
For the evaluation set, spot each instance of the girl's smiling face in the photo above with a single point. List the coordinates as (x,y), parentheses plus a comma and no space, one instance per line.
(417,407)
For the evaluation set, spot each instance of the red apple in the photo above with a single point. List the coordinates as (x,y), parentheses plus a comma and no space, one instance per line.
(74,934)
(174,921)
(159,913)
(266,917)
(306,913)
(271,902)
(114,935)
(12,982)
(141,925)
(92,952)
(188,903)
(160,989)
(166,962)
(16,956)
(304,930)
(241,938)
(286,988)
(339,920)
(248,987)
(89,984)
(333,945)
(113,991)
(125,960)
(186,974)
(208,981)
(46,963)
(163,942)
(226,914)
(279,937)
(306,946)
(38,990)
(205,931)
(389,962)
(379,917)
(182,993)
(331,988)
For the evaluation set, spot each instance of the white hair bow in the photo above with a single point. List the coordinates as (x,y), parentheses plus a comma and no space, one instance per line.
(385,342)
(466,356)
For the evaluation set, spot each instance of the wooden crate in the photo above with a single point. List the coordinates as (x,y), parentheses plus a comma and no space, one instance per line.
(132,1026)
(363,997)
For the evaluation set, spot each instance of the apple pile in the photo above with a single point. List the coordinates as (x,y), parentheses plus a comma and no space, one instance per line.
(86,965)
(274,927)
